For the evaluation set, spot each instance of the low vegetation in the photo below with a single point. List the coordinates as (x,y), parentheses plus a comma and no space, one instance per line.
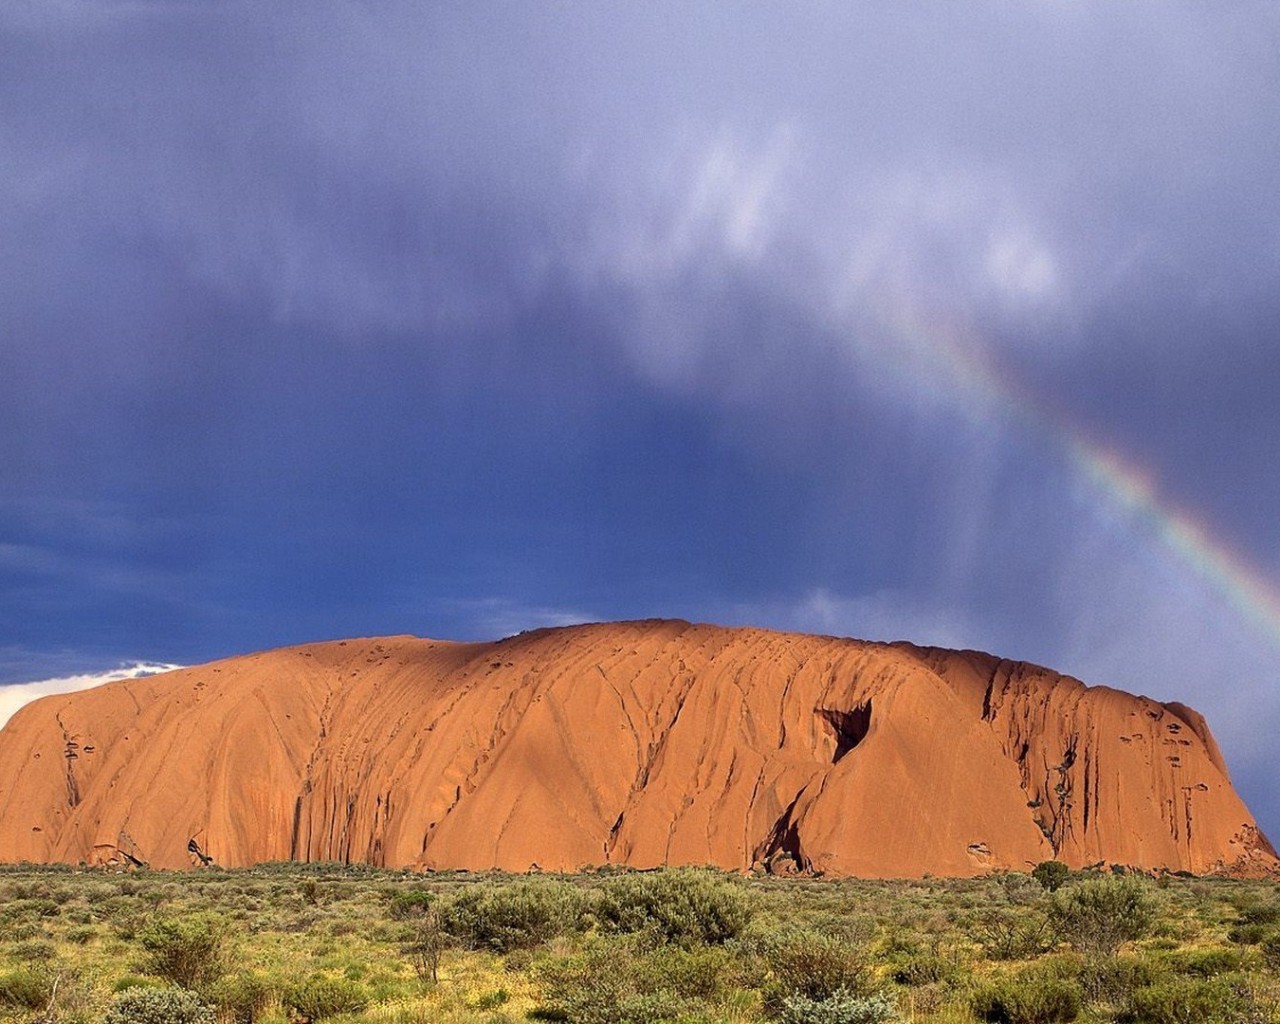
(291,944)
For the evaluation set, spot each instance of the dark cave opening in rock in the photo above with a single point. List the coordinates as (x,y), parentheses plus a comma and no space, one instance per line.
(848,728)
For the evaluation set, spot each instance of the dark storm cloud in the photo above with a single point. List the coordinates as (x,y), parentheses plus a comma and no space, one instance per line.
(372,317)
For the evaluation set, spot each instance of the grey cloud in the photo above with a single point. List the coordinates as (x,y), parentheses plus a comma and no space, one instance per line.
(754,216)
(991,152)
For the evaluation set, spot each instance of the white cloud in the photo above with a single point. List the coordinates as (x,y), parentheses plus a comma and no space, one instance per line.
(1022,270)
(672,225)
(699,196)
(731,195)
(15,695)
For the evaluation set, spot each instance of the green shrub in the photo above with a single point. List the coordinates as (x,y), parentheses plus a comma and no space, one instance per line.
(1111,979)
(243,998)
(816,967)
(617,981)
(159,1006)
(650,1008)
(1269,947)
(30,910)
(1204,963)
(319,997)
(838,1008)
(29,989)
(897,941)
(1256,910)
(692,973)
(682,906)
(1098,915)
(1006,934)
(599,986)
(1051,874)
(410,904)
(426,940)
(1248,934)
(517,915)
(925,969)
(1031,998)
(190,952)
(492,1000)
(309,890)
(1191,1001)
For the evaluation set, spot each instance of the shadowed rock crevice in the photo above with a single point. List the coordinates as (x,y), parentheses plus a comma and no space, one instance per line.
(782,853)
(848,728)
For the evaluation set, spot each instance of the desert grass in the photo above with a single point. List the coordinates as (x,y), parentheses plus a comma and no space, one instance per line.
(282,944)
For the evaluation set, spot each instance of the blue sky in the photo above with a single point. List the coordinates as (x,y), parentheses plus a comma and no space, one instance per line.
(357,318)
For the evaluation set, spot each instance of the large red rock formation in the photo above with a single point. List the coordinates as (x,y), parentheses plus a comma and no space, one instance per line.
(637,743)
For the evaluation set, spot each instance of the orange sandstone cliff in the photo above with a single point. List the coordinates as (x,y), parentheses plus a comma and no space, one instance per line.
(639,743)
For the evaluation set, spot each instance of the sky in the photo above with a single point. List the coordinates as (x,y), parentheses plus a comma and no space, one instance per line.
(956,323)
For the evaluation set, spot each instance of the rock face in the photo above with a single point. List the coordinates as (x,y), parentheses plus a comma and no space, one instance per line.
(640,743)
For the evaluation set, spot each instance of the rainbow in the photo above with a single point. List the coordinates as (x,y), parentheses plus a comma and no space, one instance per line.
(1242,586)
(956,359)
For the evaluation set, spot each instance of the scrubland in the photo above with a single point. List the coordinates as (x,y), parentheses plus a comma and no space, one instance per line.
(342,945)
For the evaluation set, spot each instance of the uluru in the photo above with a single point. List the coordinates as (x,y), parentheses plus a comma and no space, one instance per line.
(634,744)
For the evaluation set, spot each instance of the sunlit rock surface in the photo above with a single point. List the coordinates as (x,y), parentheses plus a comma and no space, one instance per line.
(634,743)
